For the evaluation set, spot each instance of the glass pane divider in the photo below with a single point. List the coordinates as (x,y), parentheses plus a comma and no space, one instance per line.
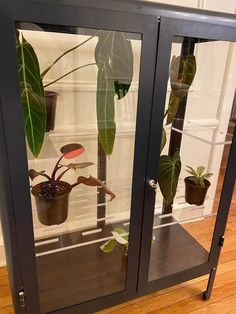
(78,245)
(183,221)
(201,139)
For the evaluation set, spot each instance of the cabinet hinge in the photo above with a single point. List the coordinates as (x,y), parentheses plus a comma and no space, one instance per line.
(22,298)
(221,241)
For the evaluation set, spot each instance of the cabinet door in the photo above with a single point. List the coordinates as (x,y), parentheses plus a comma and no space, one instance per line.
(78,198)
(190,176)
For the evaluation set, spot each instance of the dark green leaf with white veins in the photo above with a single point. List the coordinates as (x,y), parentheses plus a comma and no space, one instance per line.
(117,50)
(172,108)
(163,139)
(168,175)
(105,106)
(182,73)
(32,95)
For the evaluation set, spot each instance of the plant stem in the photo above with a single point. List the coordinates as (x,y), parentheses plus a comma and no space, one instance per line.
(62,174)
(65,53)
(80,67)
(56,168)
(46,176)
(75,184)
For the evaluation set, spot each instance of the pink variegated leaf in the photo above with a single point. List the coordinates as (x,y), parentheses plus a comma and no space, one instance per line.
(72,150)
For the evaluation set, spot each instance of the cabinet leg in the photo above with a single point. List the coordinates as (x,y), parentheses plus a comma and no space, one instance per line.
(207,294)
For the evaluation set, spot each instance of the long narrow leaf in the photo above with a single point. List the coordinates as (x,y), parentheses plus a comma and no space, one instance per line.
(105,106)
(163,139)
(32,96)
(118,51)
(168,175)
(172,108)
(182,73)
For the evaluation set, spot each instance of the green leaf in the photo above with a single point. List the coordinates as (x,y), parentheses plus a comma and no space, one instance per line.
(105,106)
(191,171)
(163,139)
(122,231)
(200,170)
(117,50)
(32,95)
(172,108)
(109,246)
(168,175)
(207,175)
(114,58)
(182,73)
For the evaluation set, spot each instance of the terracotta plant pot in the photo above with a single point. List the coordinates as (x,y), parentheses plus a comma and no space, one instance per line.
(195,194)
(52,210)
(51,105)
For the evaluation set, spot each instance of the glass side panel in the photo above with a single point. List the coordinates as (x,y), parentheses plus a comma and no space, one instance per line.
(79,92)
(199,123)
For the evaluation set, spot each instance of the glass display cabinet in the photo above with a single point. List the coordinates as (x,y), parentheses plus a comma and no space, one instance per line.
(118,153)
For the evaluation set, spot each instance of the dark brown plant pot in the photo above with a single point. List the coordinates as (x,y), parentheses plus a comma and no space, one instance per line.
(195,194)
(124,256)
(51,105)
(52,210)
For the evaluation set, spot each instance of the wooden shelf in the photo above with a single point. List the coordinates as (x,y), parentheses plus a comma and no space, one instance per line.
(174,250)
(79,274)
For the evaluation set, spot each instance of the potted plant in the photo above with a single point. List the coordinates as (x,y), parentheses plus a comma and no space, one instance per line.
(121,240)
(52,195)
(196,185)
(114,78)
(182,72)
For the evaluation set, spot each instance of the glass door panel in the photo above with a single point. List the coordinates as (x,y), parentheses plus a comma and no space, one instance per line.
(81,177)
(199,123)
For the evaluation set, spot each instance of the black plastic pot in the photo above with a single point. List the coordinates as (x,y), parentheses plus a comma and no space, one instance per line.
(51,105)
(195,194)
(52,210)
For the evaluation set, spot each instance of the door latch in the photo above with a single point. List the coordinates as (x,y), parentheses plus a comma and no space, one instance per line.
(221,241)
(152,184)
(22,298)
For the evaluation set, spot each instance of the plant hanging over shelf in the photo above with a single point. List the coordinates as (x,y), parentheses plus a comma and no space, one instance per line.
(182,73)
(114,59)
(52,195)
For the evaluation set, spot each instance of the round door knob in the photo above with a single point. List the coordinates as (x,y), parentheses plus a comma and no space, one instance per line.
(152,184)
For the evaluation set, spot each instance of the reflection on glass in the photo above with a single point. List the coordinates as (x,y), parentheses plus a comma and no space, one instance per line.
(79,94)
(197,133)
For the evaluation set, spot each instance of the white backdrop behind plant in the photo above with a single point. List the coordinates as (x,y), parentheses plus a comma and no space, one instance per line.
(76,122)
(76,114)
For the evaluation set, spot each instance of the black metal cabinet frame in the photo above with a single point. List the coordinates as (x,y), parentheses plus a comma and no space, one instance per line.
(169,28)
(14,140)
(136,17)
